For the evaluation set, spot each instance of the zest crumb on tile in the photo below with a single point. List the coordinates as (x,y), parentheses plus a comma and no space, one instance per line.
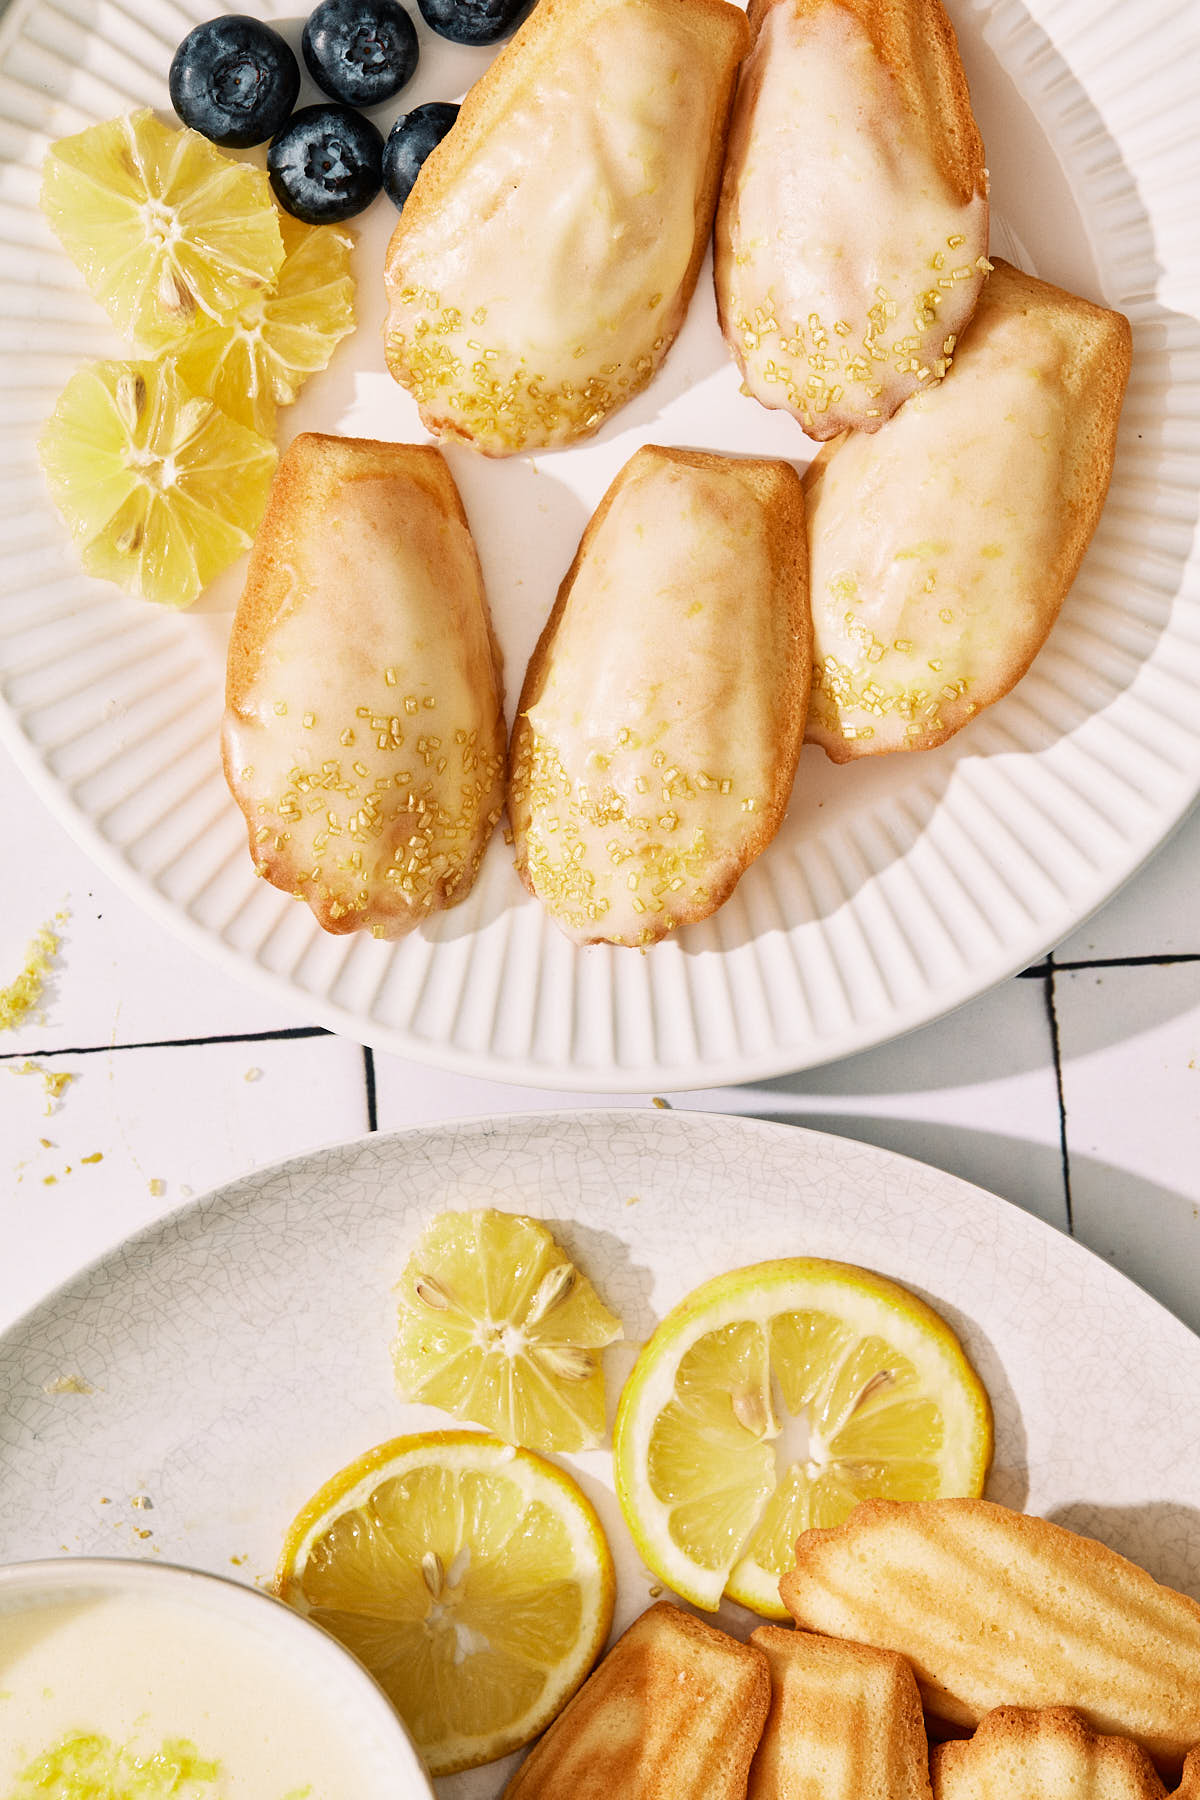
(20,997)
(54,1081)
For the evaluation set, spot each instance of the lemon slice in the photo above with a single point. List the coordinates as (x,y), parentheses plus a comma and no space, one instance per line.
(774,1399)
(160,490)
(497,1325)
(473,1580)
(163,227)
(263,354)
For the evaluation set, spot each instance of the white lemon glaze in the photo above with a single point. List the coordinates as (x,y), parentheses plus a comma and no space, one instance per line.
(935,544)
(643,769)
(542,286)
(367,751)
(851,265)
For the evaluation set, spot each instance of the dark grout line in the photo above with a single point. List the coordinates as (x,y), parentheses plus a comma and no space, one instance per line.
(1132,962)
(1039,971)
(1051,969)
(369,1076)
(232,1037)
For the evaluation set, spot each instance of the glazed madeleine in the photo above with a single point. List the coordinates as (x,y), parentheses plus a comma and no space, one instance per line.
(364,733)
(852,231)
(943,546)
(546,256)
(663,711)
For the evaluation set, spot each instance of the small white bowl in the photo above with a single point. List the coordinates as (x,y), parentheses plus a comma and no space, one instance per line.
(257,1631)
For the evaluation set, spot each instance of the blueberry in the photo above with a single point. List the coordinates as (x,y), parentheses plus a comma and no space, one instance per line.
(326,164)
(410,140)
(234,80)
(360,51)
(473,21)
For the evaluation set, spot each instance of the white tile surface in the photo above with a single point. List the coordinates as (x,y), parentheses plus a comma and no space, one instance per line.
(1130,1042)
(1156,914)
(975,1094)
(166,1125)
(121,978)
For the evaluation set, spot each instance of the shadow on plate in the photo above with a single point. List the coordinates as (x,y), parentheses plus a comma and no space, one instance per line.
(1157,1534)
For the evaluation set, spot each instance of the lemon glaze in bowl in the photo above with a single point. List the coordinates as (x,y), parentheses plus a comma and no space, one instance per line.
(252,1701)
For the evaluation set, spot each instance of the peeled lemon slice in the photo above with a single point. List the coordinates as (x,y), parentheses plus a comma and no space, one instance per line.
(262,355)
(160,490)
(163,227)
(498,1326)
(774,1399)
(472,1579)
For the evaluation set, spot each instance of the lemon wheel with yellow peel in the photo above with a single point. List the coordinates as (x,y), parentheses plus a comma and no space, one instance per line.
(775,1398)
(473,1580)
(498,1326)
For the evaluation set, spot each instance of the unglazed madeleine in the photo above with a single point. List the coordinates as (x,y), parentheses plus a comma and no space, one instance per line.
(845,1723)
(544,261)
(996,1608)
(943,546)
(364,733)
(662,714)
(672,1713)
(852,232)
(1021,1755)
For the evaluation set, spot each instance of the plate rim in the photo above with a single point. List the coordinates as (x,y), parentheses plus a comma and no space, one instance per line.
(570,1078)
(1037,1230)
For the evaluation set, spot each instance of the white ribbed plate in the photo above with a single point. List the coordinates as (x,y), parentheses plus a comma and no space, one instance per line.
(898,887)
(229,1359)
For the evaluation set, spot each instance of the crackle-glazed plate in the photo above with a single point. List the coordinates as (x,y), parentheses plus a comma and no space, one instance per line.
(899,886)
(221,1365)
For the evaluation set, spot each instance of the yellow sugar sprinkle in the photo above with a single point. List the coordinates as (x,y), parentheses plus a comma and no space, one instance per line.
(95,1157)
(157,1187)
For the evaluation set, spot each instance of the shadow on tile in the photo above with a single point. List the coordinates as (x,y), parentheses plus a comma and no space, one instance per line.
(1098,1008)
(1002,1032)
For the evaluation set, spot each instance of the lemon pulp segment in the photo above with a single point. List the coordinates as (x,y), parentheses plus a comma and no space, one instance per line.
(262,354)
(160,490)
(473,1580)
(160,224)
(776,1398)
(497,1325)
